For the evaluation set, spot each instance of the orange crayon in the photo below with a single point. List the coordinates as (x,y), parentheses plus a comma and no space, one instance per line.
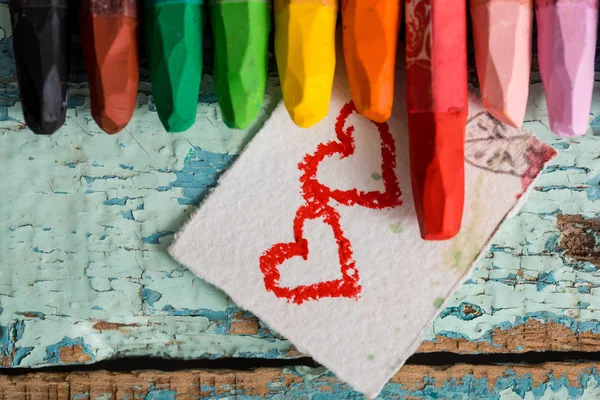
(370,37)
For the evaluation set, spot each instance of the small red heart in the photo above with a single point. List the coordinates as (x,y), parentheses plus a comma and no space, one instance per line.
(314,191)
(271,260)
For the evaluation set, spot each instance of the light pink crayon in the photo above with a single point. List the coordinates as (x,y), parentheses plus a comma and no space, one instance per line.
(567,32)
(502,36)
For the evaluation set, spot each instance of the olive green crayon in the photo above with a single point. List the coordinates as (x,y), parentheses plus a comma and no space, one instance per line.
(241,36)
(174,47)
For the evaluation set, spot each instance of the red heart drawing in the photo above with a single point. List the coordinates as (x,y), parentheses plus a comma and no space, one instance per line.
(317,197)
(314,191)
(271,260)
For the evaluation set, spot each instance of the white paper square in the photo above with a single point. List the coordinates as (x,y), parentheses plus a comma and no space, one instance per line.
(396,281)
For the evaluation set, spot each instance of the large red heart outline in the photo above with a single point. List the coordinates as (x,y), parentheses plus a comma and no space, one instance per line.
(346,286)
(314,191)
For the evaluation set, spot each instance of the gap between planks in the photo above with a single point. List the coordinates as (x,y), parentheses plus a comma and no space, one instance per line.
(283,383)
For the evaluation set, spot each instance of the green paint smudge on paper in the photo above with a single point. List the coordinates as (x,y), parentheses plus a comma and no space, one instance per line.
(396,227)
(437,303)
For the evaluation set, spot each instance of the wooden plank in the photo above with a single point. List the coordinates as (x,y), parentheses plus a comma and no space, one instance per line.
(551,380)
(85,220)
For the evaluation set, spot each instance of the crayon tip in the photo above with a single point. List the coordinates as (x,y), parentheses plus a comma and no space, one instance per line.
(174,121)
(375,113)
(437,171)
(110,125)
(42,126)
(512,114)
(570,129)
(44,111)
(305,115)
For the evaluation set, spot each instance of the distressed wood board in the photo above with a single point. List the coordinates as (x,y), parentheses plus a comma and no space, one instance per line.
(85,220)
(544,381)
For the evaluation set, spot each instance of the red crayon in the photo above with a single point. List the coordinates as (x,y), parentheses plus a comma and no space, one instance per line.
(110,50)
(436,76)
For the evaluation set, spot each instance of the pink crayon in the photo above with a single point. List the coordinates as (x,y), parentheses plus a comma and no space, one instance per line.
(566,49)
(502,36)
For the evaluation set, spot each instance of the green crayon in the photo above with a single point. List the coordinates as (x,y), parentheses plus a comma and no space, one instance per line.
(174,48)
(241,37)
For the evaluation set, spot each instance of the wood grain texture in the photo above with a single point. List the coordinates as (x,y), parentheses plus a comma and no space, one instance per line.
(85,220)
(545,381)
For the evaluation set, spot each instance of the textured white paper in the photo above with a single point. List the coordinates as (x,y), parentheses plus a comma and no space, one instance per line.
(358,243)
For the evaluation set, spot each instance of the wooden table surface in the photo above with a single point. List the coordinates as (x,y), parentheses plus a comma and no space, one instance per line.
(85,220)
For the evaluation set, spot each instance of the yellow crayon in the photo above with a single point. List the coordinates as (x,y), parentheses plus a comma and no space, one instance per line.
(305,52)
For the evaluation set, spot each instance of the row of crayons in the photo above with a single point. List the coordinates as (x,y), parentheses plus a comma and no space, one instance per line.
(436,63)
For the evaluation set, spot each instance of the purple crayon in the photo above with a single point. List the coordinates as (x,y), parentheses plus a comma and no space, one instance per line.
(566,49)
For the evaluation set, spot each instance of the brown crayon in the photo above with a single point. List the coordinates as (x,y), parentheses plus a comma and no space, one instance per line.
(108,31)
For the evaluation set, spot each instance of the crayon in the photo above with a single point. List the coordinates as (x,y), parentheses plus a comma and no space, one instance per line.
(41,40)
(109,39)
(370,37)
(305,53)
(437,104)
(502,32)
(174,49)
(241,37)
(567,32)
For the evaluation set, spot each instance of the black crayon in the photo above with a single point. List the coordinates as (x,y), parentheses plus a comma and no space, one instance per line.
(41,40)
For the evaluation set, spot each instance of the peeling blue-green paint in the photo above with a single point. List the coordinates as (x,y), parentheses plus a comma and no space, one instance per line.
(202,312)
(561,145)
(75,101)
(208,98)
(593,190)
(155,237)
(551,243)
(545,279)
(549,188)
(583,289)
(11,355)
(161,394)
(200,173)
(116,201)
(576,168)
(595,125)
(53,351)
(150,296)
(471,387)
(31,314)
(464,311)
